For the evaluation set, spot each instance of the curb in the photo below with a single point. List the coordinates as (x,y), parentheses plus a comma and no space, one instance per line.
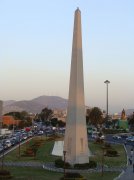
(126,165)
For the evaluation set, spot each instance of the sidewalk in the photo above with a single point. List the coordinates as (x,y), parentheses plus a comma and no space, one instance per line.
(51,167)
(128,173)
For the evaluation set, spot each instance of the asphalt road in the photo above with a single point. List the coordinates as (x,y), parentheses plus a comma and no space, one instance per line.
(109,138)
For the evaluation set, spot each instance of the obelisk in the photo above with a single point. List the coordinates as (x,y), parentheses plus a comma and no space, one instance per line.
(76,142)
(1,109)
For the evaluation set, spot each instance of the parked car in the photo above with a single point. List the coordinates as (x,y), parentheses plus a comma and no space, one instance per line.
(130,139)
(24,136)
(124,136)
(30,134)
(1,148)
(40,133)
(8,143)
(95,134)
(102,137)
(117,137)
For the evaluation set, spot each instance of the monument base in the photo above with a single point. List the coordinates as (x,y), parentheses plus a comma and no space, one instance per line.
(58,149)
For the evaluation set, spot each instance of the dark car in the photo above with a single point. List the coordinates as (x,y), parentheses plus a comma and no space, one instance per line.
(1,148)
(13,142)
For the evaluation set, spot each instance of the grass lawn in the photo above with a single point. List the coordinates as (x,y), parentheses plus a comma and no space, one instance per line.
(28,173)
(44,155)
(109,161)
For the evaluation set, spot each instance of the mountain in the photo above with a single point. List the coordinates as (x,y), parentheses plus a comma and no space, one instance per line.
(129,111)
(6,103)
(35,105)
(53,102)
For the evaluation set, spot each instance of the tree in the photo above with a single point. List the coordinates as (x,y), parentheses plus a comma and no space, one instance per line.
(10,127)
(87,116)
(46,114)
(21,125)
(28,122)
(61,123)
(18,115)
(114,122)
(95,116)
(54,122)
(131,121)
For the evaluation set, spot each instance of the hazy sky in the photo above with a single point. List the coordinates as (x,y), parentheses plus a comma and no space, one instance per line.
(36,43)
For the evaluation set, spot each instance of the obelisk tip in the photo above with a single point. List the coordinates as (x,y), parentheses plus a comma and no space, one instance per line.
(77,9)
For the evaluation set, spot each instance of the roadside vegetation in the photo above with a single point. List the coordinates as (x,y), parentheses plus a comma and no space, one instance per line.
(100,151)
(45,146)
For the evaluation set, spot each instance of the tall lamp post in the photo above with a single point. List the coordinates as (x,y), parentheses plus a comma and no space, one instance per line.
(102,165)
(107,82)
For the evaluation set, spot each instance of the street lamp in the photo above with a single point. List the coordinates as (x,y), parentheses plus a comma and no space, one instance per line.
(64,155)
(107,82)
(3,154)
(102,163)
(19,148)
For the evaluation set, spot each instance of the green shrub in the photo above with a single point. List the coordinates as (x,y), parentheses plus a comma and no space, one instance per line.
(113,131)
(59,163)
(107,145)
(99,141)
(5,174)
(111,153)
(73,176)
(91,164)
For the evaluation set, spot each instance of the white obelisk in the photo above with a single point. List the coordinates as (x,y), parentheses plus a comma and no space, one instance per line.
(1,109)
(76,142)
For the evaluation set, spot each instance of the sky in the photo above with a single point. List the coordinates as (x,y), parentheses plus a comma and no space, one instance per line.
(36,43)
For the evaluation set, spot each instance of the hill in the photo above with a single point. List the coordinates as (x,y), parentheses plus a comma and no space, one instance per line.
(129,111)
(35,105)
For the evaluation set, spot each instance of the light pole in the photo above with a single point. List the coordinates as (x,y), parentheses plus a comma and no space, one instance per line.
(64,153)
(19,148)
(3,154)
(107,82)
(102,165)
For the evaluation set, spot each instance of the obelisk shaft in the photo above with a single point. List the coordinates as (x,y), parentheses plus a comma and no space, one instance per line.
(75,143)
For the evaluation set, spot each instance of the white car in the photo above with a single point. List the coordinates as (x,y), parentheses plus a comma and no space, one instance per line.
(117,137)
(102,137)
(8,143)
(40,132)
(95,135)
(130,139)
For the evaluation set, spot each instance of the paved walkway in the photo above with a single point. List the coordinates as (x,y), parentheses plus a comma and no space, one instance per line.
(23,164)
(51,167)
(128,173)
